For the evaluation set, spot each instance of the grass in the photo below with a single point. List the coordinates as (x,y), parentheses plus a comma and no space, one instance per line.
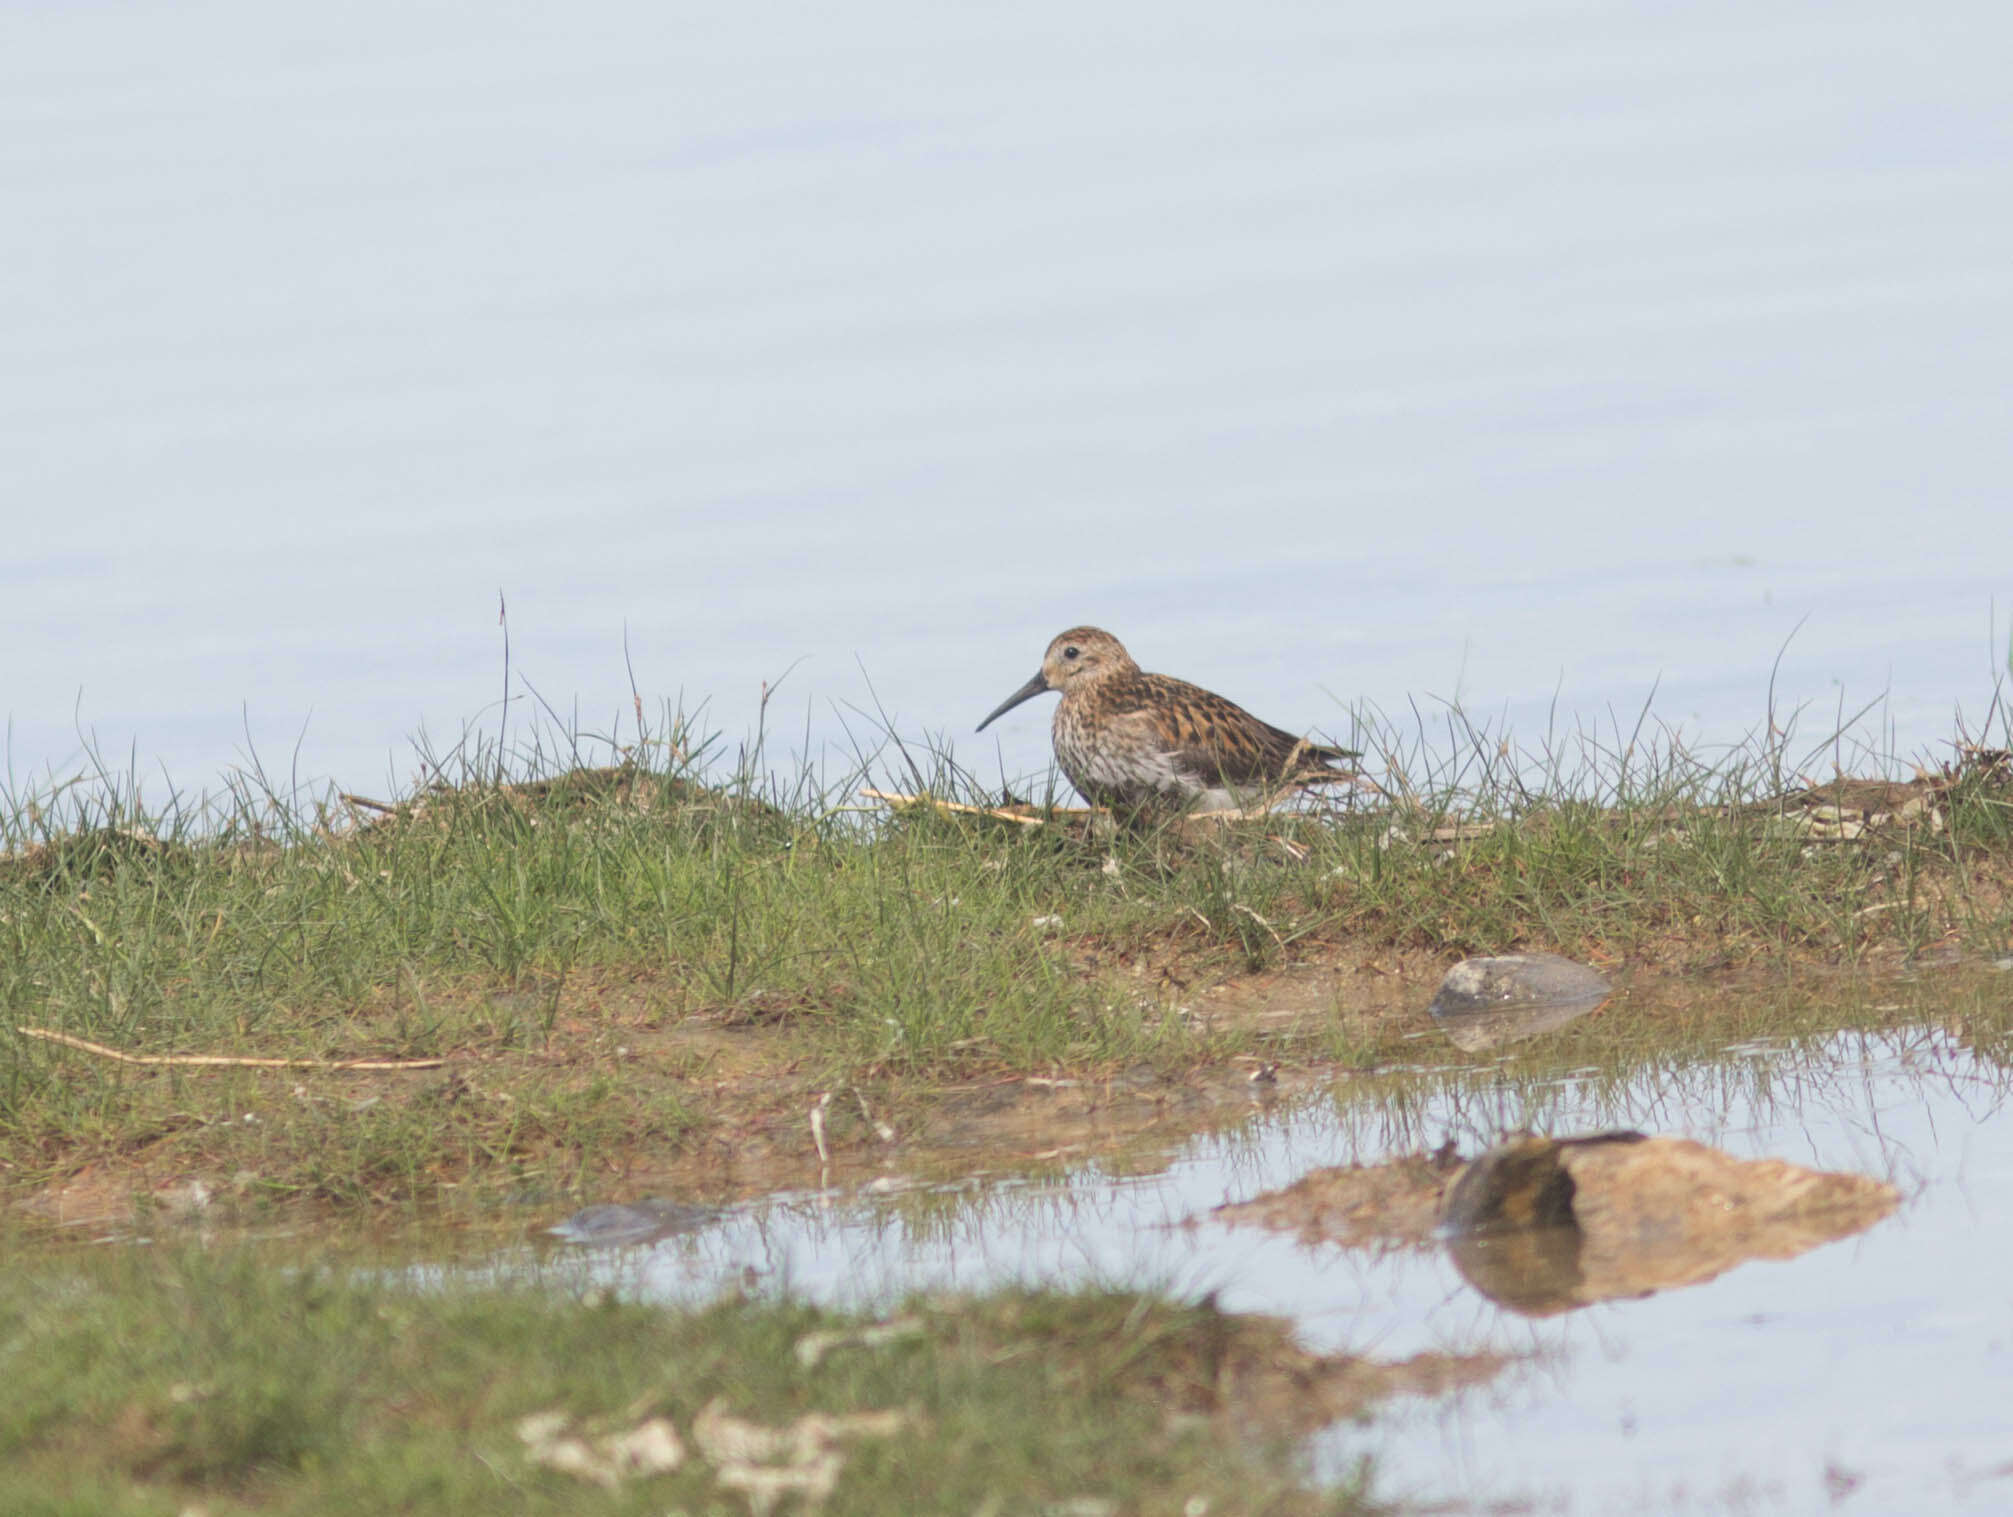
(627,953)
(144,1381)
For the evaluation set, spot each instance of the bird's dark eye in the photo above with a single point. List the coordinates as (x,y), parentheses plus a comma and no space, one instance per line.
(1071,651)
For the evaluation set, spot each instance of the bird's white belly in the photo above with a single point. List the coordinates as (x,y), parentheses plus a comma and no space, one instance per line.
(1136,773)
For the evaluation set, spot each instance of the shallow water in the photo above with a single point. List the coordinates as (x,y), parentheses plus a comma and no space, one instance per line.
(1325,353)
(1883,1362)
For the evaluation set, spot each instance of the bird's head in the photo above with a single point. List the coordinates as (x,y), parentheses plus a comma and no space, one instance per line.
(1074,659)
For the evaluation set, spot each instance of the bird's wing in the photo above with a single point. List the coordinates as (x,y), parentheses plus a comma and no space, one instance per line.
(1213,741)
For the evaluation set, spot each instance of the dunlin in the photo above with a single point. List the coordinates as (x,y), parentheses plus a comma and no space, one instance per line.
(1128,739)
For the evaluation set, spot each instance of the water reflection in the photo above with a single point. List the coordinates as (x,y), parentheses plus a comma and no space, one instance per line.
(1759,1375)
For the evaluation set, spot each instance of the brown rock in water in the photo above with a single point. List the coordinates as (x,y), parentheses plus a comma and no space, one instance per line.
(1544,1225)
(1392,1205)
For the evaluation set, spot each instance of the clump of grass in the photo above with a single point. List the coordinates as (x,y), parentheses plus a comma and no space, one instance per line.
(1636,846)
(139,1380)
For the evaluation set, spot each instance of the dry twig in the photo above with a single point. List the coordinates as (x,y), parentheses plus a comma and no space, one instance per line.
(893,798)
(223,1061)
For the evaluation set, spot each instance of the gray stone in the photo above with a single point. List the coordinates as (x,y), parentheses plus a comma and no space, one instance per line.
(1485,1002)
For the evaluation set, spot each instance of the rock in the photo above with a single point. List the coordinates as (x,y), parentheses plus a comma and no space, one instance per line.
(1544,1225)
(1485,1002)
(645,1221)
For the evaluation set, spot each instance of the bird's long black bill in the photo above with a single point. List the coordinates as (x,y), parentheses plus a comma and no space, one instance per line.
(1026,692)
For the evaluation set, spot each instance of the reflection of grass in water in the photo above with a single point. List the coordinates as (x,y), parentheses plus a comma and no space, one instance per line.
(140,1380)
(1695,1088)
(1788,1058)
(1695,1091)
(529,916)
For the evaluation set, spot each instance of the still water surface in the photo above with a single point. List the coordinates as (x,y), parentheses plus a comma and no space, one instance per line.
(1326,353)
(1883,1362)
